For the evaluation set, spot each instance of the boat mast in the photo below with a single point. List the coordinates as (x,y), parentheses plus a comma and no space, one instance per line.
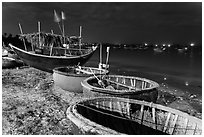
(80,33)
(51,43)
(63,18)
(39,33)
(100,63)
(107,58)
(23,37)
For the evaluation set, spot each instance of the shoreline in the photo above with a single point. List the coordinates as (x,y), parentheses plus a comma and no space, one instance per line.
(32,104)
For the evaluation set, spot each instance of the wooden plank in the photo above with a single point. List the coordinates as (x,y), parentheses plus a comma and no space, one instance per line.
(110,106)
(104,105)
(128,109)
(167,121)
(116,79)
(141,114)
(131,82)
(119,108)
(123,85)
(154,118)
(195,129)
(173,125)
(144,84)
(185,125)
(124,81)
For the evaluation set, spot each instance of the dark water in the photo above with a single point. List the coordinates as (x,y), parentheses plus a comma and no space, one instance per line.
(179,70)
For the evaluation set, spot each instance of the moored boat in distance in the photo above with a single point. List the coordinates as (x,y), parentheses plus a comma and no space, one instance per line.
(113,115)
(121,86)
(70,78)
(158,50)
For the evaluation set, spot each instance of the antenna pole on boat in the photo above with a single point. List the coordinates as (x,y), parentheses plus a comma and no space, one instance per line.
(63,33)
(107,58)
(100,60)
(80,33)
(39,33)
(23,37)
(100,63)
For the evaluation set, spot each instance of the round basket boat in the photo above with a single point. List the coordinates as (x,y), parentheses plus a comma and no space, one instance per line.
(121,86)
(8,62)
(113,115)
(70,78)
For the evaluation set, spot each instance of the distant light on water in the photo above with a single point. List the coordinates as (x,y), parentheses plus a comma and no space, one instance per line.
(169,45)
(156,45)
(186,83)
(192,44)
(164,45)
(145,44)
(164,78)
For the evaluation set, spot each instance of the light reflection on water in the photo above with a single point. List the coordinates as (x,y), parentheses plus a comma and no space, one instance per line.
(178,68)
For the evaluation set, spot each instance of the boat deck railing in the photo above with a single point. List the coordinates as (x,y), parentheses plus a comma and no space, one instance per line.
(60,51)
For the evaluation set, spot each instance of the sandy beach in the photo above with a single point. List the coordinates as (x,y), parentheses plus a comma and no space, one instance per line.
(33,105)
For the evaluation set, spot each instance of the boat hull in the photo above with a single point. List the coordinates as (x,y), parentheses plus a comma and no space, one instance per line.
(111,115)
(147,94)
(48,63)
(66,79)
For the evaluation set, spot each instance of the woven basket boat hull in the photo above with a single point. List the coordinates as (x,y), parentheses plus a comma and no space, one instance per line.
(111,115)
(68,79)
(125,86)
(8,62)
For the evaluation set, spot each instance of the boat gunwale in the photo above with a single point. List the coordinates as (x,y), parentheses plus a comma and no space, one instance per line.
(173,111)
(149,104)
(89,125)
(53,57)
(57,71)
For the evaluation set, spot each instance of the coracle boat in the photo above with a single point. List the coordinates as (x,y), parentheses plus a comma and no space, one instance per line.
(9,62)
(46,51)
(112,115)
(121,86)
(70,78)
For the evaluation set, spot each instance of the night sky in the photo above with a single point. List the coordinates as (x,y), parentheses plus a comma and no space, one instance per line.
(117,22)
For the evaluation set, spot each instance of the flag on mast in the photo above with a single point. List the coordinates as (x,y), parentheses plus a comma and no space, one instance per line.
(63,16)
(56,17)
(107,49)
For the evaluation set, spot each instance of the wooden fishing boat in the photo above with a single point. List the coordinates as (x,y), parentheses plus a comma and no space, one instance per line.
(112,115)
(70,78)
(48,63)
(121,86)
(46,51)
